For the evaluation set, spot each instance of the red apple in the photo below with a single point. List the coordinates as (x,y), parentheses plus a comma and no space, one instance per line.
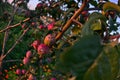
(31,77)
(35,44)
(50,26)
(29,54)
(39,5)
(33,24)
(18,72)
(49,40)
(23,71)
(53,78)
(26,60)
(41,27)
(23,26)
(84,13)
(43,49)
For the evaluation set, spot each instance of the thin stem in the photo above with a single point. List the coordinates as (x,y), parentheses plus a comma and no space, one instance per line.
(7,33)
(77,22)
(17,41)
(114,36)
(11,61)
(13,26)
(66,26)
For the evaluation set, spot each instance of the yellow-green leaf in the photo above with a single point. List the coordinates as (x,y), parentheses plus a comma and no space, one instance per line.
(111,6)
(96,25)
(76,30)
(105,67)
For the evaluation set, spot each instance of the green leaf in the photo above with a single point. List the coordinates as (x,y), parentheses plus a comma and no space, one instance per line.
(94,3)
(79,57)
(97,25)
(111,6)
(76,30)
(86,30)
(87,60)
(105,67)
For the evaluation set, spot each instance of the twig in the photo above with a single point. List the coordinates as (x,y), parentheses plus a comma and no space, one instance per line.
(11,61)
(77,22)
(66,26)
(17,41)
(13,26)
(5,40)
(114,36)
(7,32)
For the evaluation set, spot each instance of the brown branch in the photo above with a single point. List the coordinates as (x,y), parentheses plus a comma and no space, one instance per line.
(13,26)
(66,26)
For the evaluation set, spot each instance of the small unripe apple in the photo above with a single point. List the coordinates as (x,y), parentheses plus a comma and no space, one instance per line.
(35,44)
(23,71)
(42,27)
(39,5)
(43,49)
(6,76)
(18,72)
(23,26)
(26,60)
(84,13)
(31,77)
(29,54)
(50,26)
(49,40)
(33,24)
(53,78)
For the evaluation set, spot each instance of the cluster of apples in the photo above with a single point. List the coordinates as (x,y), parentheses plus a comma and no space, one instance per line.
(44,48)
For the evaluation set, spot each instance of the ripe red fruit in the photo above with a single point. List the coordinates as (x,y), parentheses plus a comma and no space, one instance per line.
(50,26)
(49,40)
(35,44)
(6,76)
(23,71)
(31,77)
(39,5)
(18,72)
(42,27)
(53,78)
(29,54)
(26,60)
(43,49)
(33,24)
(84,13)
(23,26)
